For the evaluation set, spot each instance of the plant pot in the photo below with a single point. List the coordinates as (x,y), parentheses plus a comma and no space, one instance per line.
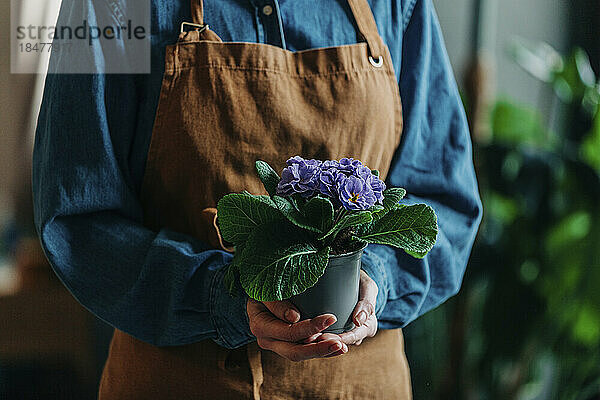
(336,292)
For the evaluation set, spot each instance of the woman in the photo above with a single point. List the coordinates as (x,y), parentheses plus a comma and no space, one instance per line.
(128,170)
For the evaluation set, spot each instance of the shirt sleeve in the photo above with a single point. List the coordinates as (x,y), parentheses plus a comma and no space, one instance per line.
(434,164)
(164,288)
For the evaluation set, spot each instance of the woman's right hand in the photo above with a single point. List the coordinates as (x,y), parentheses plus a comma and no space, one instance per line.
(277,327)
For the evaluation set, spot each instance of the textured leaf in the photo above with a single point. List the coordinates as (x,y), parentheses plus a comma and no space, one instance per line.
(375,172)
(416,254)
(268,176)
(392,197)
(232,275)
(230,279)
(239,213)
(376,208)
(348,220)
(287,208)
(391,201)
(318,212)
(411,228)
(279,262)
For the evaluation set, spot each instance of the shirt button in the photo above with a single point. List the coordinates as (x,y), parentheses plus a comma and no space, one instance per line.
(267,10)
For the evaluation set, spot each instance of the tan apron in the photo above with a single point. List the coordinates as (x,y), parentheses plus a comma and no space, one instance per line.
(223,106)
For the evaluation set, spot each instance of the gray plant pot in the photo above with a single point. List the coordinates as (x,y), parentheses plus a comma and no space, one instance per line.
(336,292)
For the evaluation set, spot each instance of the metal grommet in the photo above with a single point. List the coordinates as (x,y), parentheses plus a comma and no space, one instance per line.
(378,63)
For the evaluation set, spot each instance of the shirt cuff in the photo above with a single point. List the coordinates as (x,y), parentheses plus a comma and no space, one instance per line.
(374,266)
(228,314)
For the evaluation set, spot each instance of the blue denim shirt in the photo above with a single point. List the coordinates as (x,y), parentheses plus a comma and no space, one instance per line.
(165,287)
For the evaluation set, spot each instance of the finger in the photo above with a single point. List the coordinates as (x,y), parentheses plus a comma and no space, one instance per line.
(312,338)
(265,324)
(284,310)
(329,336)
(333,336)
(368,329)
(300,352)
(344,350)
(367,300)
(367,288)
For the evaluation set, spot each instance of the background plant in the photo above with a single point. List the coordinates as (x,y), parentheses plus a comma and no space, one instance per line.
(526,324)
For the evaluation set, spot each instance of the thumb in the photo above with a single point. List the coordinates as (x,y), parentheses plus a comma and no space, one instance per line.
(284,310)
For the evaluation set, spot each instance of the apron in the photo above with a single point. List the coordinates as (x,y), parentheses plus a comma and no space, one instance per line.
(222,106)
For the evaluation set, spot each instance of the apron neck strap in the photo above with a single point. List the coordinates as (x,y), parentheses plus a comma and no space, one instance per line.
(365,21)
(198,12)
(362,15)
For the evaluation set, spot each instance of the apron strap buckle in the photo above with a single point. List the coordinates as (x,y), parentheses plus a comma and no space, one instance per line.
(197,27)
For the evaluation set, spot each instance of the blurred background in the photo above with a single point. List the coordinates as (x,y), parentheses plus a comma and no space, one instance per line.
(526,324)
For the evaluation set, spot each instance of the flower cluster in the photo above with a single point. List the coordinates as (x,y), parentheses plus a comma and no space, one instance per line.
(347,182)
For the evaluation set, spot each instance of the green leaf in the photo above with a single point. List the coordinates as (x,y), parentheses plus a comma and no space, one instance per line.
(239,213)
(514,124)
(416,254)
(375,172)
(391,201)
(577,74)
(318,212)
(392,197)
(411,228)
(232,275)
(268,176)
(279,262)
(230,279)
(348,220)
(287,208)
(590,147)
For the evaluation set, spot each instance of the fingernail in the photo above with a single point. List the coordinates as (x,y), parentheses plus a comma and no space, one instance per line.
(362,317)
(330,321)
(335,347)
(292,315)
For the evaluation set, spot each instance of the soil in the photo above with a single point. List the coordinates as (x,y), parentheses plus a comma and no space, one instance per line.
(343,244)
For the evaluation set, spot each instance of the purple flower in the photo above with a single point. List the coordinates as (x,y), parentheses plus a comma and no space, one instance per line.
(327,182)
(330,164)
(378,187)
(347,181)
(300,176)
(355,193)
(373,181)
(299,160)
(349,165)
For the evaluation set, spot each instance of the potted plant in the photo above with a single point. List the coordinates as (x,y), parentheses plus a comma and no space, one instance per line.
(304,240)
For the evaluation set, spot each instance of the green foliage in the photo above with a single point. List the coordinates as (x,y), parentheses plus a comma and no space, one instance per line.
(391,200)
(268,176)
(526,324)
(283,243)
(412,228)
(590,148)
(239,214)
(348,221)
(514,124)
(279,261)
(315,215)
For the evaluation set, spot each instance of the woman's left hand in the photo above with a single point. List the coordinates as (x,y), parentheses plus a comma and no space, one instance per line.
(364,312)
(363,315)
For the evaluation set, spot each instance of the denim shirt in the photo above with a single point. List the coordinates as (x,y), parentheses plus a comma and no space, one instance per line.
(166,288)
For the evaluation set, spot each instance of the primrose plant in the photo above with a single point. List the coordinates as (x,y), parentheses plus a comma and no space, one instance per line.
(315,210)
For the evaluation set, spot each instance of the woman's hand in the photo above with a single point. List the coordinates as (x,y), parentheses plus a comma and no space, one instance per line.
(277,328)
(364,312)
(363,316)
